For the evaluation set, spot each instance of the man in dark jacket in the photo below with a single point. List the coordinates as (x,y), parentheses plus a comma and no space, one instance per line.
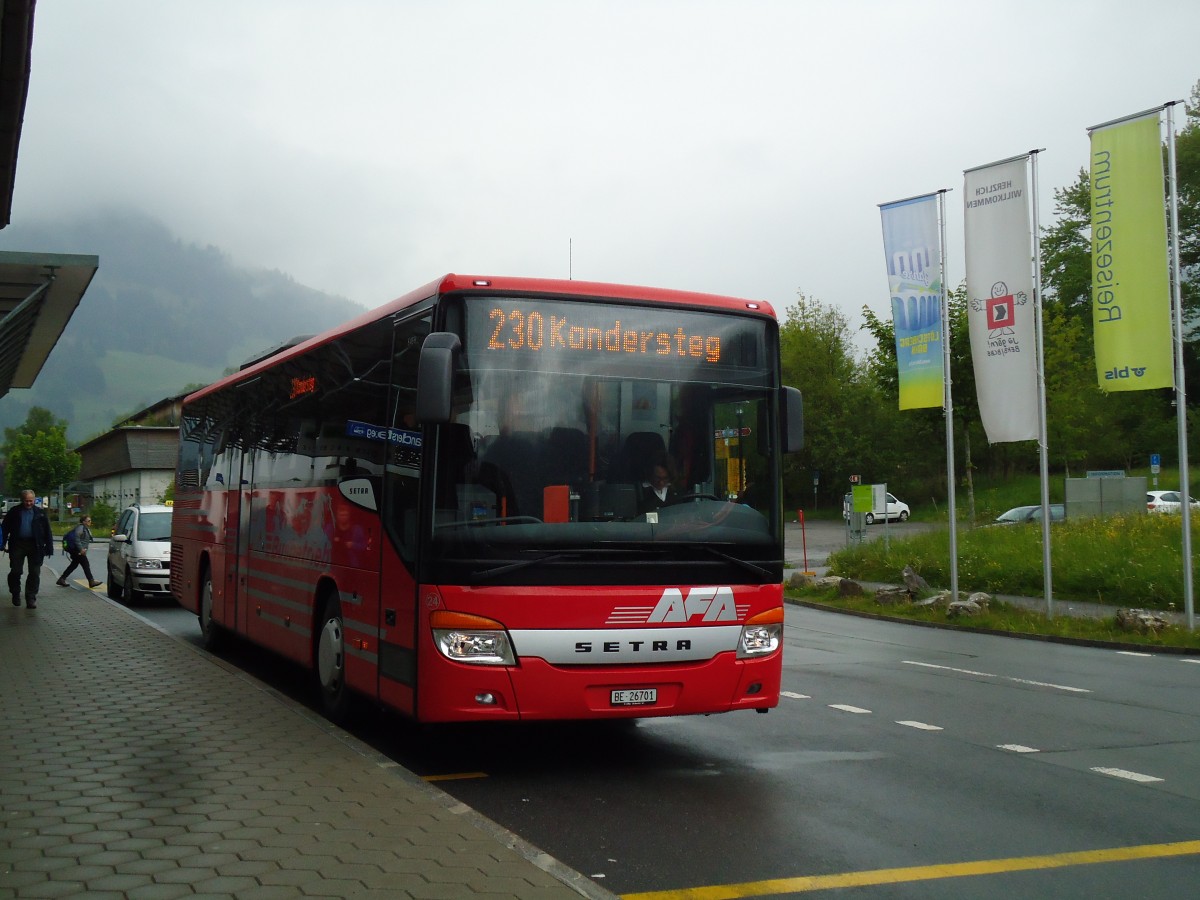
(27,539)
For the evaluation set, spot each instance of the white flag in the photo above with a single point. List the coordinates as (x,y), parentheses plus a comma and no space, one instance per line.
(1000,307)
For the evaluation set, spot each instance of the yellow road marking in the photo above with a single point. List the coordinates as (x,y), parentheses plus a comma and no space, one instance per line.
(920,873)
(454,776)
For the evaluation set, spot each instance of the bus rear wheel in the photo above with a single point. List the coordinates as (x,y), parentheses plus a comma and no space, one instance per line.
(209,630)
(331,661)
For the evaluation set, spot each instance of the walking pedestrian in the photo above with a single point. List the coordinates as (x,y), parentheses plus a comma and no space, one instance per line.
(28,540)
(78,540)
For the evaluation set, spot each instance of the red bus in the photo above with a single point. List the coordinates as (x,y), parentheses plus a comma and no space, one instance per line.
(502,499)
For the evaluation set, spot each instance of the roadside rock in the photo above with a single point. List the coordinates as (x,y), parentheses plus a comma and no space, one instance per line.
(1140,620)
(981,598)
(848,588)
(914,582)
(940,599)
(958,608)
(892,596)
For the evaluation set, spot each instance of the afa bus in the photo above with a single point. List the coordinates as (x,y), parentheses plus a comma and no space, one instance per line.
(502,499)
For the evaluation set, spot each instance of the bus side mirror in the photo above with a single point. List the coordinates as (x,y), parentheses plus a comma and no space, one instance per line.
(435,377)
(793,420)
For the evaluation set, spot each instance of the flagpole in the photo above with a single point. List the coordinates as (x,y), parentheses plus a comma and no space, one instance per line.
(1040,368)
(1180,387)
(948,399)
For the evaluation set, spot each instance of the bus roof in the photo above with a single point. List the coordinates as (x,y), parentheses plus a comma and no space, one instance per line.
(491,284)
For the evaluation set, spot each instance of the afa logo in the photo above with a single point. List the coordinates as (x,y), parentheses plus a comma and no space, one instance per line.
(1114,373)
(710,604)
(703,604)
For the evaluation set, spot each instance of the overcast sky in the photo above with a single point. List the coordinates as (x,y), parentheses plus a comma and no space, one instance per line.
(738,147)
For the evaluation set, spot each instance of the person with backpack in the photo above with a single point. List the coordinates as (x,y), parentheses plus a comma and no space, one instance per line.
(77,541)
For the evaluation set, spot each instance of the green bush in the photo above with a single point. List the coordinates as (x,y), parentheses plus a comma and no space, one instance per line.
(1131,560)
(103,517)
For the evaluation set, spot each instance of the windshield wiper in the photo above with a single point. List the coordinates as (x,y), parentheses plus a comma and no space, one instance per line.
(521,564)
(745,564)
(565,554)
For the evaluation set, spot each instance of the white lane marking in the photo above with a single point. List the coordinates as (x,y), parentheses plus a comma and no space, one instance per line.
(1057,687)
(850,709)
(922,726)
(1133,653)
(1197,661)
(1125,773)
(794,696)
(1017,748)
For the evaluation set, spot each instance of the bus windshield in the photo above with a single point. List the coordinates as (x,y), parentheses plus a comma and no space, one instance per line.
(585,434)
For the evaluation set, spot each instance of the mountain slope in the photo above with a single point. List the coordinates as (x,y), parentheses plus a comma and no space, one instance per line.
(159,315)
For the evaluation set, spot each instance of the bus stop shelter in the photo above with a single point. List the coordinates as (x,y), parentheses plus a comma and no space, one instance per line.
(38,291)
(38,295)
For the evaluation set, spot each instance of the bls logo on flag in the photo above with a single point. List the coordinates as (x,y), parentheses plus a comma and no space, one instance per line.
(1000,312)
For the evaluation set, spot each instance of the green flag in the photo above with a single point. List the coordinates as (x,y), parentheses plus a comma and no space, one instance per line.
(1131,305)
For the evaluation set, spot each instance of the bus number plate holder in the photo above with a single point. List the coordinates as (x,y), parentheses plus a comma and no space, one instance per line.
(638,697)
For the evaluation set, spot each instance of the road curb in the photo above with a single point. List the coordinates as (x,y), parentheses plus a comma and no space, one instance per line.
(1046,638)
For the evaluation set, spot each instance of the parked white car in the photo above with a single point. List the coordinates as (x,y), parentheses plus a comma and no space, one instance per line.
(1167,501)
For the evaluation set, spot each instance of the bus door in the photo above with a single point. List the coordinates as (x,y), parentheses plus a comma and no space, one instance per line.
(399,511)
(237,538)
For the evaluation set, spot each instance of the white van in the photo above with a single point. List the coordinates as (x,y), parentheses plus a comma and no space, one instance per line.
(894,510)
(139,553)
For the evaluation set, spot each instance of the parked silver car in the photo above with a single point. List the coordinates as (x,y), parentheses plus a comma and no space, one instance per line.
(1020,514)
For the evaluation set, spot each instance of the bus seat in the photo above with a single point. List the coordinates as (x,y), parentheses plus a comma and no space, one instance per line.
(516,458)
(458,459)
(638,454)
(565,457)
(467,485)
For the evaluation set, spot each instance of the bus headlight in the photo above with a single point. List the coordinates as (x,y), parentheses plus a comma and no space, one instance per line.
(471,639)
(761,634)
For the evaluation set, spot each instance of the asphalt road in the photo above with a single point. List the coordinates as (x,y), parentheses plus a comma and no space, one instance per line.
(901,762)
(807,546)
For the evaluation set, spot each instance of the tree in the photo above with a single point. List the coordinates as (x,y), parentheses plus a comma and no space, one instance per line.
(37,454)
(816,352)
(1067,251)
(38,419)
(853,423)
(1187,165)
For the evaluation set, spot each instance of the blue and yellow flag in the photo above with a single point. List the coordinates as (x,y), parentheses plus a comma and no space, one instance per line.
(914,264)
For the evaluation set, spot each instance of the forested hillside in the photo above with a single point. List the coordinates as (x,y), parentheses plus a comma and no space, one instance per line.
(159,315)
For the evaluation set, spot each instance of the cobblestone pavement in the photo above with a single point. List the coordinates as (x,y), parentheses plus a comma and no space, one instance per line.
(133,765)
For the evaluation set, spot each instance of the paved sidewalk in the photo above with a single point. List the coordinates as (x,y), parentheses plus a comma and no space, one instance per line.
(133,765)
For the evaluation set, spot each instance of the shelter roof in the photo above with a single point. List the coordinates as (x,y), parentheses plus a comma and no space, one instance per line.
(38,295)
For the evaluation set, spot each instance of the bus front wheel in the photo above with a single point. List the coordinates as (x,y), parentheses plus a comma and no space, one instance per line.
(331,661)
